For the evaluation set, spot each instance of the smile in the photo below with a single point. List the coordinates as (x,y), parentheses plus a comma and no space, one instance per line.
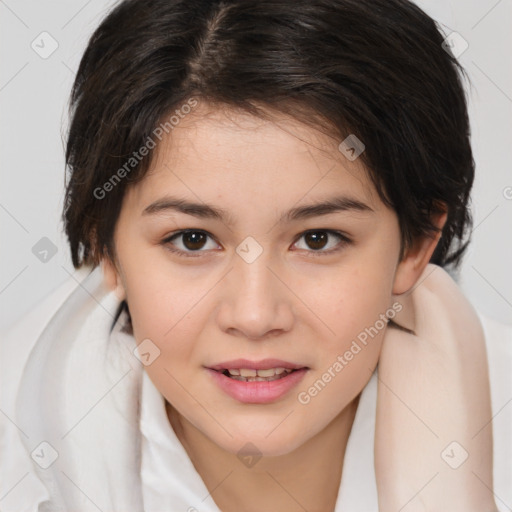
(257,382)
(251,375)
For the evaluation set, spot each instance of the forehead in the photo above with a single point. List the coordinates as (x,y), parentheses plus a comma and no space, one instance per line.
(222,154)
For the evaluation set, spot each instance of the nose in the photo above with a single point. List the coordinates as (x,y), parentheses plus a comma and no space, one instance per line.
(256,303)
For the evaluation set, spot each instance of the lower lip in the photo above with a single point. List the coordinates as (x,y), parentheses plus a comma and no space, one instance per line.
(260,392)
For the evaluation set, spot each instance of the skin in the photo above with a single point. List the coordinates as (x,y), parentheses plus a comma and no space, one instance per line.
(292,303)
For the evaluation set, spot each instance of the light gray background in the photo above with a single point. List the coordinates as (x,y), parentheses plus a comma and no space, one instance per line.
(33,101)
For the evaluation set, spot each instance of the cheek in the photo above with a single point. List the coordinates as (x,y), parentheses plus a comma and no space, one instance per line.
(348,359)
(355,308)
(352,302)
(335,386)
(171,321)
(160,304)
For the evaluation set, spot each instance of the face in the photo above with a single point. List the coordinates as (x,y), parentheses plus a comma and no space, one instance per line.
(288,258)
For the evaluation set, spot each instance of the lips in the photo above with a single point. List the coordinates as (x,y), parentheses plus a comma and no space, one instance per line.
(257,381)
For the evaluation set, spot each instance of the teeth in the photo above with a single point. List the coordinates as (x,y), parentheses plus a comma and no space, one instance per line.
(266,373)
(245,372)
(251,375)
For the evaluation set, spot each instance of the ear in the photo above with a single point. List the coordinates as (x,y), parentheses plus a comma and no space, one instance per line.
(417,258)
(112,278)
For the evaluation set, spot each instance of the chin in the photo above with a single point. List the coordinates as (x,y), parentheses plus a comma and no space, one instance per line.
(264,441)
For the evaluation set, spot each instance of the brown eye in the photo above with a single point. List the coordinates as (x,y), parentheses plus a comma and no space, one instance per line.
(194,240)
(322,241)
(190,241)
(316,240)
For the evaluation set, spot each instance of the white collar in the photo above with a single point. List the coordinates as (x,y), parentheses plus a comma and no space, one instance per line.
(167,473)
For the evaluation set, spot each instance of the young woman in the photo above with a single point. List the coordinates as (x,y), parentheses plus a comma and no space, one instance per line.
(261,198)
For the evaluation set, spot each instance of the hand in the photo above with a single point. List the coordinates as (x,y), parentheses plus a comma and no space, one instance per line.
(433,406)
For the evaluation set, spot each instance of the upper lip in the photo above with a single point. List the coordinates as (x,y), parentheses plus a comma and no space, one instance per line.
(263,364)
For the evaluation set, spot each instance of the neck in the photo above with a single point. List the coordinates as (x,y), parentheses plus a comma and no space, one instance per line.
(307,478)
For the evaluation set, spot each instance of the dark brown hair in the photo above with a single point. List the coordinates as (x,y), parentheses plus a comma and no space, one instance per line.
(373,68)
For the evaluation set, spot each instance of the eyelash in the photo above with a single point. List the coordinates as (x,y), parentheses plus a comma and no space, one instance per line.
(344,240)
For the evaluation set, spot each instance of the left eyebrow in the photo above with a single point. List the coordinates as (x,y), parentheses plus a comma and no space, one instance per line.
(333,205)
(203,210)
